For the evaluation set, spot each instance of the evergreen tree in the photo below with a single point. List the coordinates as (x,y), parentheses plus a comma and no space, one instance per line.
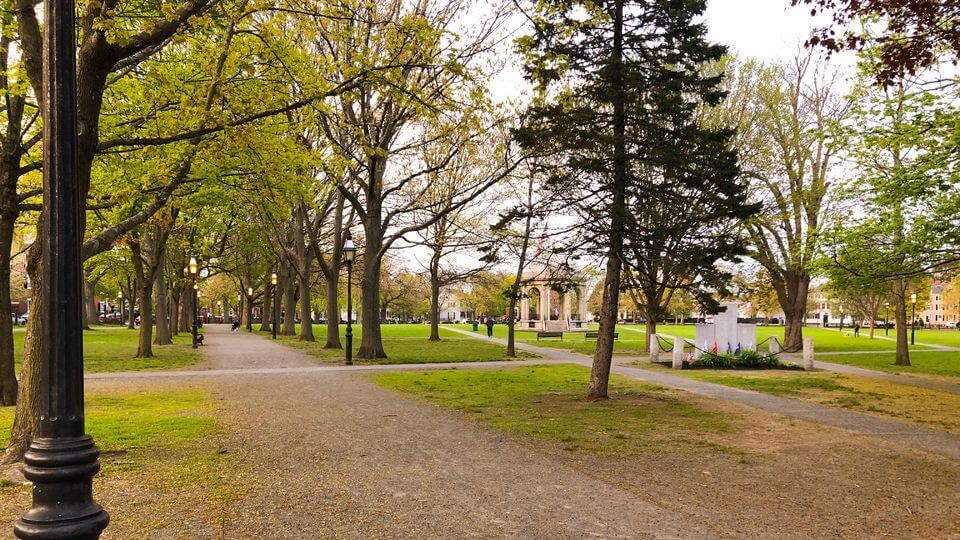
(620,83)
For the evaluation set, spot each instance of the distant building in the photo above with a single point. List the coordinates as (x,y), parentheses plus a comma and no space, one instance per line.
(938,313)
(452,307)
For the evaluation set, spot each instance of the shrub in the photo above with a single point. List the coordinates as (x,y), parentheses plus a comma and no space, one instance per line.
(746,360)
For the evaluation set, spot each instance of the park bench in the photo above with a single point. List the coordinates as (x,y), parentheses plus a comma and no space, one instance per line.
(595,335)
(547,335)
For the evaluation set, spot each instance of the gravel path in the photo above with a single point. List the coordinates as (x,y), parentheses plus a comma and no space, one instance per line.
(333,455)
(931,440)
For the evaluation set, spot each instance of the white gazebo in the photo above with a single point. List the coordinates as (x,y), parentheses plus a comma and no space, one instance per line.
(552,305)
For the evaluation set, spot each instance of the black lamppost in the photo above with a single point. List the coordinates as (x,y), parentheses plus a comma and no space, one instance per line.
(886,319)
(193,269)
(349,254)
(913,317)
(120,296)
(276,304)
(62,459)
(249,309)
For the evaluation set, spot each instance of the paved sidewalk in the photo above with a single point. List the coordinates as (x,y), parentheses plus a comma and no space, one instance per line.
(931,440)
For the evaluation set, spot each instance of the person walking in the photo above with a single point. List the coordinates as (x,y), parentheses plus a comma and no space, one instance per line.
(490,324)
(856,329)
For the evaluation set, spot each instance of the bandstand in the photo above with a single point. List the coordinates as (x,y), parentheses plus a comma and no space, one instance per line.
(549,304)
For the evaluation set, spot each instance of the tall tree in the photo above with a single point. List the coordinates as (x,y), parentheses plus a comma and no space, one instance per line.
(901,141)
(619,85)
(908,35)
(783,114)
(433,95)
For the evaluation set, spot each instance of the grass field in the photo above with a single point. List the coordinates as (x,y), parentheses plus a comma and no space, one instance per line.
(863,394)
(405,344)
(941,363)
(151,443)
(628,343)
(112,348)
(547,402)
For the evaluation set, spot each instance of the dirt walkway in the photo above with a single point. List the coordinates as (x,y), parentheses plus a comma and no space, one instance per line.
(333,455)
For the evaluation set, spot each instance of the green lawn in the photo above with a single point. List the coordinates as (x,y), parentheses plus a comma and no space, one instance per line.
(152,444)
(628,343)
(405,344)
(112,348)
(863,394)
(946,363)
(546,402)
(824,339)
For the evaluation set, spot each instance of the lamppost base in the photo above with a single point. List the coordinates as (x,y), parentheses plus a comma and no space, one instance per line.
(62,471)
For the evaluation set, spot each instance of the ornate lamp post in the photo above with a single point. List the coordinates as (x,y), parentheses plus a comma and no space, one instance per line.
(120,296)
(62,458)
(886,319)
(913,317)
(249,309)
(349,254)
(193,269)
(273,281)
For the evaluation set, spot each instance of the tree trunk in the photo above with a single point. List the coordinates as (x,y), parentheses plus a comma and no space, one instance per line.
(899,289)
(434,307)
(89,302)
(8,377)
(306,318)
(371,341)
(793,301)
(333,309)
(603,354)
(651,329)
(144,346)
(26,418)
(289,285)
(187,310)
(435,295)
(164,336)
(267,318)
(174,312)
(131,301)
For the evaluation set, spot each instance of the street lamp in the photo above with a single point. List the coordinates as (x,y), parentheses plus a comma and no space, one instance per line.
(192,269)
(841,318)
(249,309)
(273,281)
(62,459)
(886,319)
(349,254)
(120,296)
(913,317)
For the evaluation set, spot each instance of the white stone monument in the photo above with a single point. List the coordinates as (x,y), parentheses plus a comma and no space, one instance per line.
(725,335)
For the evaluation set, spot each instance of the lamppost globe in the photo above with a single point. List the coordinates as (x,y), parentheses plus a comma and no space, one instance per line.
(192,266)
(196,286)
(349,250)
(249,291)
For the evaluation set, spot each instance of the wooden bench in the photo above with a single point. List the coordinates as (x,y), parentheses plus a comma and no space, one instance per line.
(595,335)
(547,335)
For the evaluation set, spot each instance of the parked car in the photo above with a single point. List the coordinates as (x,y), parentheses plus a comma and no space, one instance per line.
(19,319)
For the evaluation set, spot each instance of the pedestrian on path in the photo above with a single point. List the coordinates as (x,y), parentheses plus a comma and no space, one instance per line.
(490,324)
(856,329)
